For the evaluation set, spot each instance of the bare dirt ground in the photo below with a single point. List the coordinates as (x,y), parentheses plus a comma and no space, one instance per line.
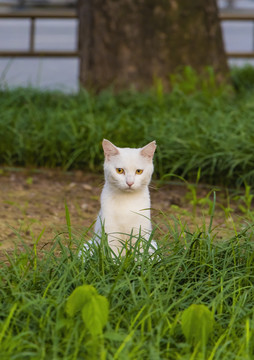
(34,200)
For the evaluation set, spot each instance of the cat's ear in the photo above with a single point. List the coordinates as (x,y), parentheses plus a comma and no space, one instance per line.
(109,149)
(148,150)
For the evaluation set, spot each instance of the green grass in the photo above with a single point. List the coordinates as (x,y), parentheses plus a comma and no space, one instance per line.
(146,296)
(197,126)
(200,129)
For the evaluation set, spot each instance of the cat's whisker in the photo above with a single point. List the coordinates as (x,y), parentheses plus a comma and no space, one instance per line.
(153,187)
(100,186)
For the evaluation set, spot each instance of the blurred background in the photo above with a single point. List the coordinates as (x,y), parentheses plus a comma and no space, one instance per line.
(61,35)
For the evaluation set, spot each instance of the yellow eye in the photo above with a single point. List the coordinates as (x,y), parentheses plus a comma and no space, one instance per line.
(119,171)
(139,171)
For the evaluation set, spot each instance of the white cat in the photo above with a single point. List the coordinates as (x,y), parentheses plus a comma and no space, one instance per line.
(125,198)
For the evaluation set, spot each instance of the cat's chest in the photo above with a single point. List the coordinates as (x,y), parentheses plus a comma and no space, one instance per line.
(123,206)
(124,213)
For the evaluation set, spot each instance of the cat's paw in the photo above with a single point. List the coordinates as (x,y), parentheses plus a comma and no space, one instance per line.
(88,248)
(153,247)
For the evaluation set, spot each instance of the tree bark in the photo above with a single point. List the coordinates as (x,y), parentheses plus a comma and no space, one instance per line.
(128,43)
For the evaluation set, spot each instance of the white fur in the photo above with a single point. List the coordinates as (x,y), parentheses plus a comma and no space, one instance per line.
(125,199)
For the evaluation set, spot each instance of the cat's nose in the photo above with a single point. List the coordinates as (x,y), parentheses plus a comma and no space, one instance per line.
(129,183)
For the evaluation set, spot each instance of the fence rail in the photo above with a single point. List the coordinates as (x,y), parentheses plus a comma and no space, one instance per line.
(72,14)
(236,16)
(42,14)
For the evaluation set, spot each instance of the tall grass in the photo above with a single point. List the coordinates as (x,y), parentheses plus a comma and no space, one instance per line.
(196,125)
(146,296)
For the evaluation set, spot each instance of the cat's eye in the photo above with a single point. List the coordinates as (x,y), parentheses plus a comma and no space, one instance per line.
(139,171)
(119,171)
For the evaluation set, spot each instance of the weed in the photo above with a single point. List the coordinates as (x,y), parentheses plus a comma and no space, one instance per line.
(197,325)
(245,200)
(243,78)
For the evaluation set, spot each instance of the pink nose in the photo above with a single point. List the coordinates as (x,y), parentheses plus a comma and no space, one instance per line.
(129,183)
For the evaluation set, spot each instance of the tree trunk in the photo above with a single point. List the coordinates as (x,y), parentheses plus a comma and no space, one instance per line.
(128,43)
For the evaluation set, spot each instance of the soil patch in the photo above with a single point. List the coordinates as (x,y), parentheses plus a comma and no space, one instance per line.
(33,201)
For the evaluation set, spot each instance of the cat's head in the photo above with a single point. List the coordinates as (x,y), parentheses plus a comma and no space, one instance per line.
(128,169)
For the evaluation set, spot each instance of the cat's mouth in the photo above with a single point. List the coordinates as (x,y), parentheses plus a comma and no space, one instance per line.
(129,189)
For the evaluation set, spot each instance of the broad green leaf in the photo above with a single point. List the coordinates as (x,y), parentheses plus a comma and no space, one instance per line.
(78,298)
(197,324)
(95,314)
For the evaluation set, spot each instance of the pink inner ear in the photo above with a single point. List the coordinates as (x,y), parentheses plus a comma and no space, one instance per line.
(109,148)
(149,149)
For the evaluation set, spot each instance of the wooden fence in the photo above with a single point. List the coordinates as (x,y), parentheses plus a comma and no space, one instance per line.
(33,16)
(72,14)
